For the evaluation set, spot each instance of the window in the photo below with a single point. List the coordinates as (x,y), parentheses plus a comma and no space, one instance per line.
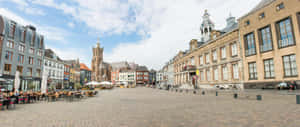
(30,60)
(265,39)
(41,45)
(298,16)
(201,60)
(31,51)
(234,49)
(12,29)
(247,23)
(32,40)
(29,72)
(225,72)
(280,6)
(20,69)
(201,75)
(9,55)
(23,34)
(39,62)
(146,78)
(216,74)
(261,15)
(21,48)
(252,71)
(21,59)
(10,44)
(40,53)
(207,58)
(214,55)
(208,75)
(235,69)
(290,66)
(192,61)
(250,44)
(7,68)
(145,73)
(285,33)
(38,71)
(223,52)
(269,68)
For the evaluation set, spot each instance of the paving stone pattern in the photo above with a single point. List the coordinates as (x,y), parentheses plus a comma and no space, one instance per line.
(146,107)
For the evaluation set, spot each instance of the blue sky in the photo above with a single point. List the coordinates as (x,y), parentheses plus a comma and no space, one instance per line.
(148,32)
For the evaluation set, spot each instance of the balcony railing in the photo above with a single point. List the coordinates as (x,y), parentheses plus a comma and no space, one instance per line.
(286,42)
(189,68)
(266,47)
(250,51)
(6,72)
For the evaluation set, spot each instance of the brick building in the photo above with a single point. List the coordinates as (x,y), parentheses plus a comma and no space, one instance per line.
(270,36)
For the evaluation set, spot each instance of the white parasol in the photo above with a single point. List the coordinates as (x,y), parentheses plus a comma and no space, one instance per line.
(17,81)
(44,82)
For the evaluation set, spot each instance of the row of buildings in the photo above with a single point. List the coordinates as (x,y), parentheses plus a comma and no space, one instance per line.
(260,49)
(131,73)
(22,49)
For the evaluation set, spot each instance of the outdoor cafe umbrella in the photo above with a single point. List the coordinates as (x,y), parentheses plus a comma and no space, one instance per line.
(92,83)
(17,81)
(44,82)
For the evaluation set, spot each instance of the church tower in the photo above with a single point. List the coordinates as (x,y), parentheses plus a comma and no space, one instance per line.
(206,27)
(96,61)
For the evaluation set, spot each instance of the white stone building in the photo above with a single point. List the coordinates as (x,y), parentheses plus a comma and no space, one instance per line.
(54,66)
(127,76)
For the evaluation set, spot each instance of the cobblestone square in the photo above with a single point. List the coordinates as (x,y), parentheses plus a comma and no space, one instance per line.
(145,107)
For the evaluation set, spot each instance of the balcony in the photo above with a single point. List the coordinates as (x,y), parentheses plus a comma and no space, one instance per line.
(189,68)
(6,72)
(250,52)
(286,42)
(266,47)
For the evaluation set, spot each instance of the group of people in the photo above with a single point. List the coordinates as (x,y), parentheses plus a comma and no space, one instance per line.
(9,98)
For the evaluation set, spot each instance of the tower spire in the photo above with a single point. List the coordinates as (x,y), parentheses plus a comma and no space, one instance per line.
(98,41)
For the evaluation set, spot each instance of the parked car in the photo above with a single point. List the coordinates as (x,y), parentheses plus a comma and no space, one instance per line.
(285,85)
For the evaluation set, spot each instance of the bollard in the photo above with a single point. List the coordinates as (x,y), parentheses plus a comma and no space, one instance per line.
(298,99)
(258,97)
(235,96)
(203,92)
(216,93)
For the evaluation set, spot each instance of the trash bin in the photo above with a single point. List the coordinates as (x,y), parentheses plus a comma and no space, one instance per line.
(235,96)
(258,97)
(203,92)
(216,93)
(298,99)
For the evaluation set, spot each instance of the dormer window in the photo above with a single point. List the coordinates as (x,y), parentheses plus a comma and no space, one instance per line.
(247,23)
(261,15)
(280,6)
(12,29)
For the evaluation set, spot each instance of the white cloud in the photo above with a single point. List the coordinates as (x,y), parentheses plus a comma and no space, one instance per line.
(171,25)
(27,8)
(71,24)
(50,33)
(72,53)
(166,25)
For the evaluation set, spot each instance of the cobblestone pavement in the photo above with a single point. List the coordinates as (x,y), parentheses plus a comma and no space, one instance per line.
(145,107)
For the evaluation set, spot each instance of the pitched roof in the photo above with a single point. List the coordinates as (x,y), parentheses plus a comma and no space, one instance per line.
(84,67)
(260,5)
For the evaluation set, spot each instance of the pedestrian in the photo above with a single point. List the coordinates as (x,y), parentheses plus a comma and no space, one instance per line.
(294,85)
